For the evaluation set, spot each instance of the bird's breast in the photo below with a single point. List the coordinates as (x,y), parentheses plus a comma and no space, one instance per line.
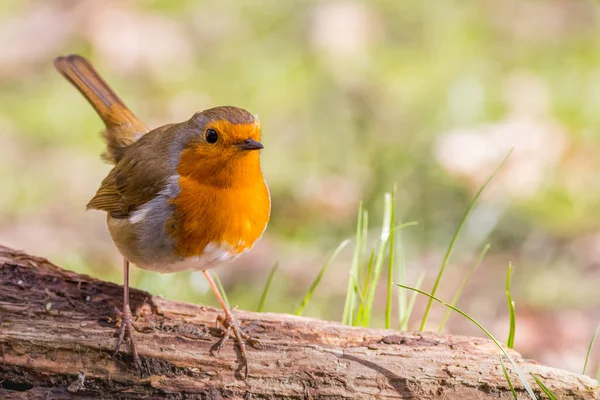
(218,222)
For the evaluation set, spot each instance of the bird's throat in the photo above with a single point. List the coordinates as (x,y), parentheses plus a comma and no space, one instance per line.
(240,171)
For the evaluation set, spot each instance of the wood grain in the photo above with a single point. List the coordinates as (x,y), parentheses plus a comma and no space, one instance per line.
(57,334)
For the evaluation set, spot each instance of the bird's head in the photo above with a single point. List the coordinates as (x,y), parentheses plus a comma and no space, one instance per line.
(220,146)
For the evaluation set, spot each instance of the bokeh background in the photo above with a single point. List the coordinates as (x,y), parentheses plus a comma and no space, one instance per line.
(354,97)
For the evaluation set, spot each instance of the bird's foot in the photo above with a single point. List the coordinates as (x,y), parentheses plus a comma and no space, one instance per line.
(126,329)
(230,325)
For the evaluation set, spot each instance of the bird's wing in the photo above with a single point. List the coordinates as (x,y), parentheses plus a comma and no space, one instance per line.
(139,176)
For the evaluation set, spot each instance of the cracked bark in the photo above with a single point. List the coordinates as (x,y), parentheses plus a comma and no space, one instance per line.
(57,333)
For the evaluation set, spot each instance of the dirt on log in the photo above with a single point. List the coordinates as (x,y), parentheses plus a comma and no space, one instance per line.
(57,332)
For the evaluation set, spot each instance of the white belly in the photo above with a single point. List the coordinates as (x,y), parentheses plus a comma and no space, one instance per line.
(212,256)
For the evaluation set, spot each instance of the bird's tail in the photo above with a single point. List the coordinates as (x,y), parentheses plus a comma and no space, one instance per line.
(122,126)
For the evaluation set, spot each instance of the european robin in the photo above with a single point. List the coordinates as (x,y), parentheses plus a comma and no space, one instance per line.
(185,196)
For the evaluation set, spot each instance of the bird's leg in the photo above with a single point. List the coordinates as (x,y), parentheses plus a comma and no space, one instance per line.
(126,327)
(230,324)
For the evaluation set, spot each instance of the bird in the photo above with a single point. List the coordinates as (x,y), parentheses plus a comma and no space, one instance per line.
(184,196)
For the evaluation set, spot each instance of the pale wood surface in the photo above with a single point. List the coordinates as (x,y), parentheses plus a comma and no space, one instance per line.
(57,327)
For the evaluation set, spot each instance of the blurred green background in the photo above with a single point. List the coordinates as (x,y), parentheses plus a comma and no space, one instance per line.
(354,97)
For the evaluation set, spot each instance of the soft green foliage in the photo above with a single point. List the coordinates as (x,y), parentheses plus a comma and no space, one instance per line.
(315,283)
(353,289)
(404,318)
(403,306)
(453,241)
(364,277)
(377,266)
(510,342)
(462,285)
(391,264)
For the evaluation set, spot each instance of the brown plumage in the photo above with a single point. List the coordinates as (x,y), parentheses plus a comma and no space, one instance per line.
(184,196)
(122,126)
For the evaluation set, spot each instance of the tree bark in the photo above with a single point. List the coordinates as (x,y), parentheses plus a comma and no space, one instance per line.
(57,332)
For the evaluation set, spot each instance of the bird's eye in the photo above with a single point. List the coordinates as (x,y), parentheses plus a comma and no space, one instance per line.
(212,136)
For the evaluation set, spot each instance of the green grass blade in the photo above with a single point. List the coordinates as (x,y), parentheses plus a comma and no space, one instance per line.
(488,334)
(510,342)
(261,303)
(510,385)
(589,349)
(361,309)
(546,391)
(221,289)
(315,283)
(384,240)
(401,273)
(390,277)
(463,284)
(353,276)
(359,292)
(365,243)
(453,241)
(404,225)
(411,302)
(369,273)
(401,277)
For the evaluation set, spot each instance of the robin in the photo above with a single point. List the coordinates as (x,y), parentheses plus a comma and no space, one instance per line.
(184,196)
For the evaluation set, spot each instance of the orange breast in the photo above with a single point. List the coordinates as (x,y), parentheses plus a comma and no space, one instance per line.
(232,218)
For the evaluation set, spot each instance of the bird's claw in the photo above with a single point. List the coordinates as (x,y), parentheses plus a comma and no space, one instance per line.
(229,325)
(126,328)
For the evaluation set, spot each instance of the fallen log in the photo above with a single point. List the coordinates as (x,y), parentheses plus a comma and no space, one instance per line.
(57,334)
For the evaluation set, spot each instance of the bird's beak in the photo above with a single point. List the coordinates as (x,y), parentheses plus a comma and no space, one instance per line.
(250,144)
